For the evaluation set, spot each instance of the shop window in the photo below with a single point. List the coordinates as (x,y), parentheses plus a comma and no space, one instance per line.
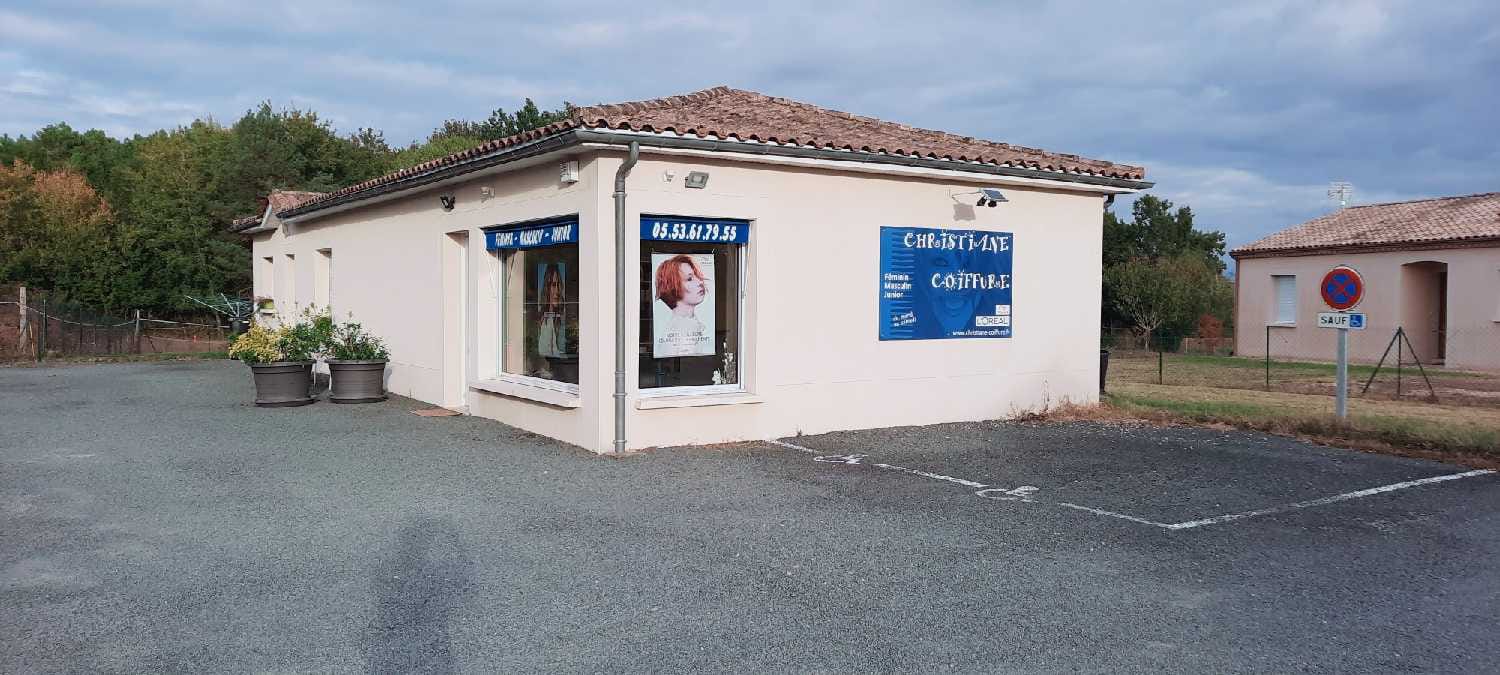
(692,292)
(538,299)
(1286,298)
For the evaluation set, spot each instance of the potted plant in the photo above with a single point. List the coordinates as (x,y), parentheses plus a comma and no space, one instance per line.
(356,362)
(280,361)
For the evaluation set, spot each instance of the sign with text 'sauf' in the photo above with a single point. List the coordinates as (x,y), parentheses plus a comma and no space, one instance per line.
(1344,320)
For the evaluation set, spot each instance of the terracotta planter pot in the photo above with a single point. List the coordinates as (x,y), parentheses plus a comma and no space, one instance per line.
(357,381)
(282,384)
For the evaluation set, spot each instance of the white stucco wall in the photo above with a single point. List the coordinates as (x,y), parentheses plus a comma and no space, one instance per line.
(1393,297)
(812,360)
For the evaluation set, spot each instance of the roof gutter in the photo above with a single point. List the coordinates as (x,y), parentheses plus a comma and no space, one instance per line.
(574,137)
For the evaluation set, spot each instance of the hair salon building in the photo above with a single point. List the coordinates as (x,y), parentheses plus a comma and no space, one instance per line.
(713,267)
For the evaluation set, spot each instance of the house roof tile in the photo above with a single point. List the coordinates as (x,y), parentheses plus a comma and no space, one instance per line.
(1424,222)
(727,113)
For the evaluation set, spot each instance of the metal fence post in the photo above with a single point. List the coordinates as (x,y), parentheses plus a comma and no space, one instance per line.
(136,338)
(1398,363)
(1268,357)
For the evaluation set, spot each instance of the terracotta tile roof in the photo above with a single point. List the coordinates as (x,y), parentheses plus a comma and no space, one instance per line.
(278,200)
(736,114)
(282,200)
(1421,222)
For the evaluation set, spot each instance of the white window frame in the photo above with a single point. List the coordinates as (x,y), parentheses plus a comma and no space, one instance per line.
(743,260)
(1276,317)
(499,375)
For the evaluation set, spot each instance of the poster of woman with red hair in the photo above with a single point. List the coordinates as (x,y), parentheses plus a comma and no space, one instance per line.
(682,316)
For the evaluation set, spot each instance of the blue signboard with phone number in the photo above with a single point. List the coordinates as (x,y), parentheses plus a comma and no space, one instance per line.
(702,230)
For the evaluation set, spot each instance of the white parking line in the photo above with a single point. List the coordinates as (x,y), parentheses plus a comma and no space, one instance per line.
(1326,500)
(1024,493)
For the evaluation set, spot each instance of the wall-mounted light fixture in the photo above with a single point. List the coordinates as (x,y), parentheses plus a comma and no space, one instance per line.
(486,193)
(987,197)
(696,179)
(447,201)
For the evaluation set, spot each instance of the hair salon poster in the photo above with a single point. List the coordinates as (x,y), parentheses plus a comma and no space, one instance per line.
(682,312)
(938,283)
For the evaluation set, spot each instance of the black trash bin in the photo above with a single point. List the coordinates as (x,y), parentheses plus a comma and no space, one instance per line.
(1103,368)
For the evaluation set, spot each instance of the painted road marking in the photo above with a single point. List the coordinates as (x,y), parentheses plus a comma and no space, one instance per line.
(1025,493)
(1327,500)
(1012,494)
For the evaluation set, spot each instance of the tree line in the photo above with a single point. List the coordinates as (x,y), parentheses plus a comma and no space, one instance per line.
(139,222)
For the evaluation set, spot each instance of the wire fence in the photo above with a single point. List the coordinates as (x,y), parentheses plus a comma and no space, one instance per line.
(37,325)
(1457,365)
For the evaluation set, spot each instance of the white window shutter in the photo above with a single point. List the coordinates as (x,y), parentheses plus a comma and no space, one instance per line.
(1286,298)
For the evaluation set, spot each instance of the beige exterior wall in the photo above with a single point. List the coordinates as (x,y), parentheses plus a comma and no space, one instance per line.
(1402,289)
(811,358)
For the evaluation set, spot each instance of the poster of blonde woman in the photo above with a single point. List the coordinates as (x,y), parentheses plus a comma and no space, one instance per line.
(682,316)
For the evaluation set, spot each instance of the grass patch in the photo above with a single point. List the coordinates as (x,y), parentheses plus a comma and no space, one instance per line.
(1309,367)
(1431,431)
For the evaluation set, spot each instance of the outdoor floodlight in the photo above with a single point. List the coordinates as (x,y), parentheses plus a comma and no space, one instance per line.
(696,179)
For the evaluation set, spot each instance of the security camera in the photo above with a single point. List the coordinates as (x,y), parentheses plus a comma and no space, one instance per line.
(447,202)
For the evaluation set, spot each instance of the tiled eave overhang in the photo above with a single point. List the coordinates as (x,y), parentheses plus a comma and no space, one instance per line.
(576,137)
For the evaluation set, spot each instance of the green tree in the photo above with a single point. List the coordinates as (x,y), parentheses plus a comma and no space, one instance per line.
(175,242)
(1156,231)
(1166,293)
(56,232)
(501,124)
(1157,244)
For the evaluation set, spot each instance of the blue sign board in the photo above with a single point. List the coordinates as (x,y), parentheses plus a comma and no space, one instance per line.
(701,230)
(938,284)
(532,236)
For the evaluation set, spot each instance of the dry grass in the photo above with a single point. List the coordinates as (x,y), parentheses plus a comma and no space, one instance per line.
(1461,434)
(1461,387)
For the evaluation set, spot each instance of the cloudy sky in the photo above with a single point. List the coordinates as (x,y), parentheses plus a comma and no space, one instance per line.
(1243,110)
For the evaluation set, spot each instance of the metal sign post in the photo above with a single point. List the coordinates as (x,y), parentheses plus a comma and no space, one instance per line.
(1342,289)
(1341,377)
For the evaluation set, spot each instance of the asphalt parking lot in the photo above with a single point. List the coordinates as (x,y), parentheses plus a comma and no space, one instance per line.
(152,520)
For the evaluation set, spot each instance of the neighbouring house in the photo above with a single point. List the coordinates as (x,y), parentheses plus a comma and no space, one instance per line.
(716,266)
(1430,266)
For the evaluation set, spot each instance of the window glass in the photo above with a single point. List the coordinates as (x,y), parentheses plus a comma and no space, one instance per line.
(690,314)
(539,312)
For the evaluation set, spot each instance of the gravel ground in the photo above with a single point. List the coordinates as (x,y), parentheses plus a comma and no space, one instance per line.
(151,520)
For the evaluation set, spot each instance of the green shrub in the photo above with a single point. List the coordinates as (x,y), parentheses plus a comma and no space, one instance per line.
(258,345)
(306,339)
(349,341)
